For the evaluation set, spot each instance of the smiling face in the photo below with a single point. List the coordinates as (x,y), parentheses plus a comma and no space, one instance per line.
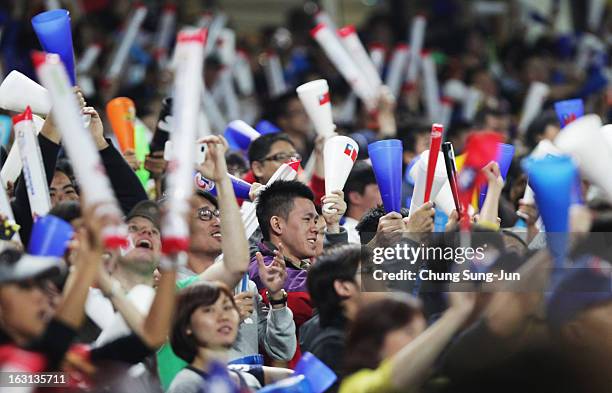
(24,310)
(62,189)
(215,326)
(145,238)
(205,234)
(298,232)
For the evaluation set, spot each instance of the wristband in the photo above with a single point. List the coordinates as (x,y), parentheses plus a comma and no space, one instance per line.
(277,302)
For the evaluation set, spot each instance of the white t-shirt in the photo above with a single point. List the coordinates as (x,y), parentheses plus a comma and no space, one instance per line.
(349,225)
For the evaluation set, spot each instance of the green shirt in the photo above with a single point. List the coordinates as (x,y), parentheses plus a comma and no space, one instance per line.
(168,364)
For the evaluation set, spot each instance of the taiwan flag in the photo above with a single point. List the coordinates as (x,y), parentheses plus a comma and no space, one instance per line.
(324,99)
(350,151)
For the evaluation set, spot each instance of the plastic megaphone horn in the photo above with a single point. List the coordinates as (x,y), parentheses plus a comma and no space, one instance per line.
(584,141)
(121,113)
(569,110)
(339,155)
(17,91)
(314,96)
(386,157)
(553,178)
(241,134)
(607,133)
(241,187)
(55,35)
(419,174)
(544,148)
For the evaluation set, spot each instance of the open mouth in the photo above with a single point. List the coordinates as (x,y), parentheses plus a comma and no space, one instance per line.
(144,243)
(225,330)
(311,241)
(216,235)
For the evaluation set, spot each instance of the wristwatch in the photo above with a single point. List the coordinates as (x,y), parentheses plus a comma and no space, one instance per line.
(273,302)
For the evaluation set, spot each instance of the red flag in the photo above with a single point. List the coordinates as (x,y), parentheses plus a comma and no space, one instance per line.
(350,151)
(480,149)
(324,99)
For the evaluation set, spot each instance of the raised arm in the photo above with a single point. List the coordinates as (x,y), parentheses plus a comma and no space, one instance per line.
(490,206)
(126,186)
(88,260)
(234,245)
(421,353)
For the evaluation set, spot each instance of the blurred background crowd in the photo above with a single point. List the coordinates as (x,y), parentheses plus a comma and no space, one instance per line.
(293,287)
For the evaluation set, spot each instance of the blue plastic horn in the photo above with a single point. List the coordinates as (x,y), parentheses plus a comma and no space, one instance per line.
(386,157)
(553,180)
(54,33)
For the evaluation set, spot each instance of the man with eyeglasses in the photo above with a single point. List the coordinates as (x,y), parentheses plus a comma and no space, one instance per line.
(268,152)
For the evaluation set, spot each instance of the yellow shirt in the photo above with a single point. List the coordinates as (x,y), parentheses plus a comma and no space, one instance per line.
(369,381)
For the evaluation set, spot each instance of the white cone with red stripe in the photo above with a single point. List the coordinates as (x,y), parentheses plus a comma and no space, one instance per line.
(315,98)
(339,155)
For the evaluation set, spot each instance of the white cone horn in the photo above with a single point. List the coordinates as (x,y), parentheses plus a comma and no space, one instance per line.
(585,142)
(339,155)
(314,96)
(18,91)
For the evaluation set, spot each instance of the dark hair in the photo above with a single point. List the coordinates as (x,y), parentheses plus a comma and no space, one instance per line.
(538,126)
(278,107)
(64,166)
(277,200)
(368,224)
(481,116)
(261,146)
(189,299)
(209,197)
(369,329)
(339,263)
(67,210)
(361,175)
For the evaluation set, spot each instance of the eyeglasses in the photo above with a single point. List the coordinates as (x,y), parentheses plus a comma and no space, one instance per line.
(283,157)
(205,214)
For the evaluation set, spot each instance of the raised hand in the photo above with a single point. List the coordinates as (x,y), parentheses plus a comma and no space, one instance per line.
(214,167)
(132,160)
(335,210)
(422,219)
(96,127)
(273,276)
(246,305)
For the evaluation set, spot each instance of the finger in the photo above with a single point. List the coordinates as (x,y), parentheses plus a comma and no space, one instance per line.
(260,260)
(339,193)
(392,215)
(427,205)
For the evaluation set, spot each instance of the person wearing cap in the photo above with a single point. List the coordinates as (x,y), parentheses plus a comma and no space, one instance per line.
(132,274)
(26,318)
